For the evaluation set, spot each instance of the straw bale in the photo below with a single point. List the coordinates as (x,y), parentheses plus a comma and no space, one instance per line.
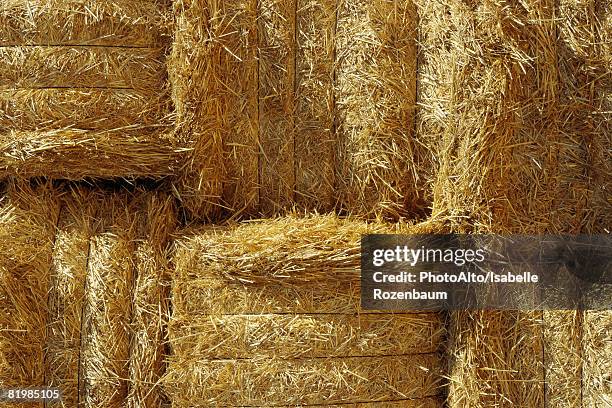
(303,381)
(375,99)
(563,360)
(83,89)
(82,67)
(307,335)
(106,336)
(91,109)
(150,306)
(269,310)
(276,30)
(496,359)
(139,23)
(77,153)
(67,294)
(28,215)
(315,139)
(597,368)
(213,70)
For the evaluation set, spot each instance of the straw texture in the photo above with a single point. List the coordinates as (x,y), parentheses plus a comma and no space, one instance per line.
(267,313)
(315,138)
(83,22)
(28,214)
(375,101)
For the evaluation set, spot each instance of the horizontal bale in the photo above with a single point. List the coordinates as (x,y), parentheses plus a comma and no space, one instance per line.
(82,67)
(28,216)
(140,23)
(287,250)
(91,109)
(76,154)
(304,335)
(206,295)
(271,381)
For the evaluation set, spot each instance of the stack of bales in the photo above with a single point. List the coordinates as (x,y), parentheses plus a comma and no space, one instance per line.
(297,103)
(84,293)
(83,89)
(516,103)
(267,314)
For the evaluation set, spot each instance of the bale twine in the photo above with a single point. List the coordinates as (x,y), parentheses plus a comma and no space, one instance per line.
(28,213)
(267,314)
(83,89)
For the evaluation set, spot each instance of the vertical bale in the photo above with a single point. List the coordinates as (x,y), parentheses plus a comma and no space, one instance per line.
(501,90)
(28,216)
(496,360)
(563,359)
(105,345)
(215,75)
(276,30)
(193,77)
(375,102)
(314,105)
(597,349)
(150,305)
(67,294)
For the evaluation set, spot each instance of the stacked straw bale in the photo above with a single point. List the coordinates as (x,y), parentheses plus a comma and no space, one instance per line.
(519,93)
(83,89)
(27,219)
(268,314)
(214,74)
(125,306)
(79,208)
(375,102)
(297,103)
(84,292)
(315,140)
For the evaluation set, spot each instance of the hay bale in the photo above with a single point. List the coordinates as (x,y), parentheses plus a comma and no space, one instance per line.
(92,87)
(496,359)
(150,301)
(563,360)
(215,50)
(307,381)
(268,313)
(28,215)
(277,58)
(67,294)
(83,22)
(597,349)
(34,67)
(315,140)
(375,101)
(90,109)
(105,345)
